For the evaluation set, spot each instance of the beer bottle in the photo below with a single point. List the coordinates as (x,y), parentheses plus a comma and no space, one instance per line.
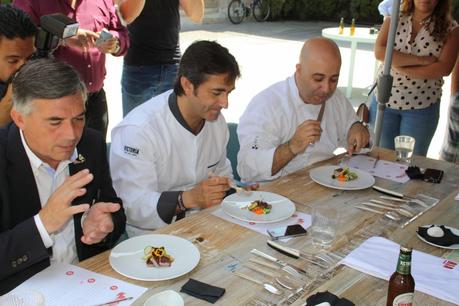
(352,30)
(401,283)
(341,26)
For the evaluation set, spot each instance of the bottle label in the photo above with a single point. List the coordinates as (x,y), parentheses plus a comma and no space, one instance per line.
(404,264)
(405,299)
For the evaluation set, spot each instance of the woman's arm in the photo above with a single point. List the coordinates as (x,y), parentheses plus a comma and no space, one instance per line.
(455,78)
(130,9)
(194,9)
(399,59)
(440,68)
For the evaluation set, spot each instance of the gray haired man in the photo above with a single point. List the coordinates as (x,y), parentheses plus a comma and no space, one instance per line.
(52,170)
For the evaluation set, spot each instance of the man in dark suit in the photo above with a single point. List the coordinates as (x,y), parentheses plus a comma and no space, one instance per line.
(57,202)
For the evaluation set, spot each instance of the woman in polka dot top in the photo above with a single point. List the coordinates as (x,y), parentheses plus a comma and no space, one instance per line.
(425,49)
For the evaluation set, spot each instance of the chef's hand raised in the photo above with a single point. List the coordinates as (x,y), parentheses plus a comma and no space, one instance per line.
(306,133)
(208,193)
(357,138)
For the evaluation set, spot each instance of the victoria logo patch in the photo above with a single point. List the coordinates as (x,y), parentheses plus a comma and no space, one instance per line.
(131,151)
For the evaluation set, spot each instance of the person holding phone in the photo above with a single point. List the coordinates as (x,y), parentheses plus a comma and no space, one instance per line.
(81,51)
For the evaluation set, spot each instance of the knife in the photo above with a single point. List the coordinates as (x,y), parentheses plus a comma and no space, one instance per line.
(400,195)
(278,261)
(294,253)
(369,209)
(321,112)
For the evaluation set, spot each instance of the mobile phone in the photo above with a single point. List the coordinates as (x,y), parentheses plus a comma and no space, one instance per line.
(287,231)
(433,175)
(103,37)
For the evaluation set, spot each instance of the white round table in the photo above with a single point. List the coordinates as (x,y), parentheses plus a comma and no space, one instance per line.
(361,35)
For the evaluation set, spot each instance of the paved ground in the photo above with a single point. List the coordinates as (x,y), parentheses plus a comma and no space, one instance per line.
(267,52)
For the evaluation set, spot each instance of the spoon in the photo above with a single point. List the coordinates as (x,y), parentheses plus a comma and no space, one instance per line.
(286,282)
(390,214)
(269,287)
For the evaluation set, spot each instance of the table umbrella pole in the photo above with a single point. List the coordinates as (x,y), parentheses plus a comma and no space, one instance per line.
(385,80)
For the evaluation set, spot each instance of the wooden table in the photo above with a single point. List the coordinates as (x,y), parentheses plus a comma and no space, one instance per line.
(224,246)
(361,36)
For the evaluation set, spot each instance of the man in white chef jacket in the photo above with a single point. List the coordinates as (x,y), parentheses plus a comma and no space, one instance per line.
(279,131)
(169,154)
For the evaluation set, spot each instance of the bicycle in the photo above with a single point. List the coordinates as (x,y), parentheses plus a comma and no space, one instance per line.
(238,10)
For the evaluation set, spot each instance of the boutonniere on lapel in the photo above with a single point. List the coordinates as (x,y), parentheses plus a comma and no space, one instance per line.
(79,160)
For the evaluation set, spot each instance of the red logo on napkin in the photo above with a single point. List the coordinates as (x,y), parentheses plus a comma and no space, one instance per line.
(448,264)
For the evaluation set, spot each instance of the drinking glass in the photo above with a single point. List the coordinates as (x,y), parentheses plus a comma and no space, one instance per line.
(404,146)
(323,227)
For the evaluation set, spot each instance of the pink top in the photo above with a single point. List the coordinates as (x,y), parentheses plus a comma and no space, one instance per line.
(93,15)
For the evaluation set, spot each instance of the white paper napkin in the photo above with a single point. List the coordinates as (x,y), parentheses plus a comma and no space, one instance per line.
(384,169)
(64,284)
(433,275)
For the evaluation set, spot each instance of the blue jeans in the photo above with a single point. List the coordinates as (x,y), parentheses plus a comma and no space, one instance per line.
(141,83)
(418,123)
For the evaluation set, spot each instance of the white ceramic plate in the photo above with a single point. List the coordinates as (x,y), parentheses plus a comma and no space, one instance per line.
(127,257)
(451,247)
(165,298)
(236,204)
(323,176)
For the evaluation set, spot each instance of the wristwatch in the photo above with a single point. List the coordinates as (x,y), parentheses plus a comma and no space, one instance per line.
(365,124)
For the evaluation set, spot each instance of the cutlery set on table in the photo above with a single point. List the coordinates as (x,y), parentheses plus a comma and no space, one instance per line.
(397,206)
(285,282)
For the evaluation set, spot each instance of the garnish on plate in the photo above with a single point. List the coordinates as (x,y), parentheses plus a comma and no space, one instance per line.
(259,207)
(344,174)
(157,257)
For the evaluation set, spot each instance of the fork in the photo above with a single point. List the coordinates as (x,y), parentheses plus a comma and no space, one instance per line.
(287,269)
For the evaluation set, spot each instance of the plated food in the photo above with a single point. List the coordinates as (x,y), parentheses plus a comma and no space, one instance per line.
(157,257)
(127,257)
(266,207)
(344,174)
(356,179)
(259,207)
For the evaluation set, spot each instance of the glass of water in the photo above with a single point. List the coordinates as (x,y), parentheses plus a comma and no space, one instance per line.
(323,227)
(404,146)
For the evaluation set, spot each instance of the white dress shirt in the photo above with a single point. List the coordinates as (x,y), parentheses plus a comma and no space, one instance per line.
(271,119)
(48,180)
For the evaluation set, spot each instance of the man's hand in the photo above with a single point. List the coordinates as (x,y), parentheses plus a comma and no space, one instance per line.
(357,138)
(208,193)
(58,210)
(109,46)
(306,133)
(98,223)
(84,39)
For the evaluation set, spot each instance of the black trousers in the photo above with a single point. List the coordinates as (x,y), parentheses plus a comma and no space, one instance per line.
(97,111)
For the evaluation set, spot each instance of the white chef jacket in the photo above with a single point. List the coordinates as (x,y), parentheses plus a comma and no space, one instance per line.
(271,119)
(154,155)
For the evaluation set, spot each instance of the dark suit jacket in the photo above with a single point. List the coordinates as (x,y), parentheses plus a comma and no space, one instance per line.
(22,252)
